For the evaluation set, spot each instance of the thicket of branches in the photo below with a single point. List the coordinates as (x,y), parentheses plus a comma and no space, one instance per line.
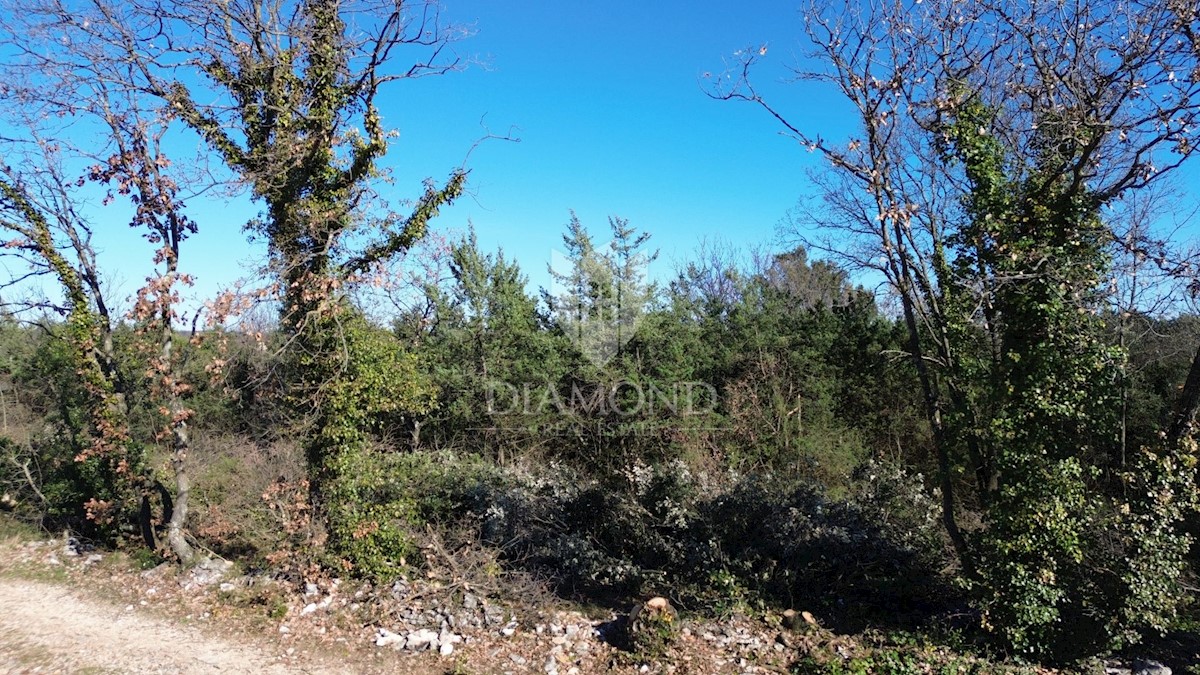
(747,431)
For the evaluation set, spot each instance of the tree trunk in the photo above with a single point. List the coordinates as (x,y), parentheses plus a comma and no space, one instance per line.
(1188,405)
(180,437)
(180,444)
(176,538)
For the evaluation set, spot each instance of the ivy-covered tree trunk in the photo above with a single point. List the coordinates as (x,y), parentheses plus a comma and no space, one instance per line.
(103,446)
(299,124)
(1062,570)
(73,80)
(991,143)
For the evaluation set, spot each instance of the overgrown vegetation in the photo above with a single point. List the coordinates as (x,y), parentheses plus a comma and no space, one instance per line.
(751,434)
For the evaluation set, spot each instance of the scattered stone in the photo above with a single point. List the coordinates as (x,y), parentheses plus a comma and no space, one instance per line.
(446,648)
(517,659)
(308,609)
(226,587)
(422,638)
(310,590)
(470,602)
(1149,667)
(383,638)
(207,572)
(160,570)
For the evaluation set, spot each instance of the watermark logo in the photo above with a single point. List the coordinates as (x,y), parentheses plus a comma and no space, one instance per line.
(622,408)
(621,399)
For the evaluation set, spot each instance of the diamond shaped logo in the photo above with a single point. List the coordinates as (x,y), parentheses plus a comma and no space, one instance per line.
(598,300)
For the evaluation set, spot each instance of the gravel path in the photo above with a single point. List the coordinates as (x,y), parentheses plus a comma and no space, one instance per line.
(50,629)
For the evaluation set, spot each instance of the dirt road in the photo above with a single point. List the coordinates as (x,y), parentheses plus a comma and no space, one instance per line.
(51,629)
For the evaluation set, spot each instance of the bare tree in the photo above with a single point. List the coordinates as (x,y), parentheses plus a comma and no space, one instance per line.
(1148,278)
(285,95)
(712,280)
(110,135)
(880,177)
(1114,83)
(51,240)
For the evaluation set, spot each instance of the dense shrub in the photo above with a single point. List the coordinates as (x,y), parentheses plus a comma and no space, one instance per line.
(708,542)
(243,500)
(97,497)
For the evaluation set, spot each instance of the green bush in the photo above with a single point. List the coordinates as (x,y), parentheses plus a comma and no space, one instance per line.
(395,497)
(661,529)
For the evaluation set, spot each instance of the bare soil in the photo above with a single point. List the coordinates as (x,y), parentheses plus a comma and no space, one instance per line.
(63,611)
(52,629)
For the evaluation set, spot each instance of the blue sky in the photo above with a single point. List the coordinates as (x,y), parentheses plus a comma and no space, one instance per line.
(607,101)
(613,120)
